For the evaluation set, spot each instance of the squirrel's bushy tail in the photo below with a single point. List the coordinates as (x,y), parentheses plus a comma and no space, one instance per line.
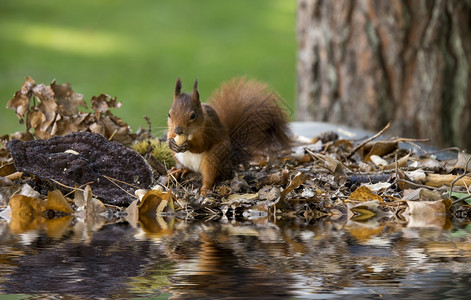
(253,117)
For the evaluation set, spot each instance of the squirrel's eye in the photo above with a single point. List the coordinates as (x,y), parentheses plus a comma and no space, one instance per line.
(169,115)
(192,115)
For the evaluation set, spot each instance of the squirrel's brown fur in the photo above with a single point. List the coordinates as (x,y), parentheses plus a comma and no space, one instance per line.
(243,119)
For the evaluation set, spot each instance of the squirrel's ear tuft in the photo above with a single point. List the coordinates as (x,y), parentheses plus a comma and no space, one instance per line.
(178,89)
(195,96)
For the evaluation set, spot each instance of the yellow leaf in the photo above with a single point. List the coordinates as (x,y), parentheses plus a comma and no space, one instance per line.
(57,202)
(363,193)
(152,202)
(26,213)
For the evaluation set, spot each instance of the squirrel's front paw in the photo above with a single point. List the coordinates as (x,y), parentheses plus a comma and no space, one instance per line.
(205,191)
(176,148)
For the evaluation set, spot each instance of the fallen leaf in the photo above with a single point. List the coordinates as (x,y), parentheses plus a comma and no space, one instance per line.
(379,148)
(57,202)
(153,203)
(68,100)
(416,175)
(421,194)
(20,102)
(376,187)
(463,161)
(378,161)
(299,179)
(439,180)
(402,162)
(363,193)
(240,198)
(330,163)
(26,213)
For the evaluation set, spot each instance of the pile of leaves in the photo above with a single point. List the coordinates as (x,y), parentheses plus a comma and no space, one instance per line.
(321,177)
(50,110)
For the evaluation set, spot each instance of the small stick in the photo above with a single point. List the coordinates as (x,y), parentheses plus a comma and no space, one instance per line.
(370,139)
(120,181)
(112,181)
(112,135)
(461,199)
(417,184)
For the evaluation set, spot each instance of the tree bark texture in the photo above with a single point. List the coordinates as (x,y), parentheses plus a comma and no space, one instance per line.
(365,62)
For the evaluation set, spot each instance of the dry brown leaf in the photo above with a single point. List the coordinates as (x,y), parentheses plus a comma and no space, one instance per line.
(379,148)
(331,164)
(402,162)
(68,100)
(378,161)
(26,213)
(241,198)
(363,193)
(463,161)
(20,102)
(55,111)
(149,213)
(299,179)
(439,180)
(421,194)
(57,202)
(153,203)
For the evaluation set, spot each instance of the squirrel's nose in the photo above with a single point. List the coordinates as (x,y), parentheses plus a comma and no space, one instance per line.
(178,130)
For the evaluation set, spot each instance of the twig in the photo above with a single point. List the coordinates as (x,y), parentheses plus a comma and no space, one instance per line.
(111,180)
(418,147)
(446,149)
(70,187)
(112,135)
(120,181)
(417,184)
(461,199)
(369,140)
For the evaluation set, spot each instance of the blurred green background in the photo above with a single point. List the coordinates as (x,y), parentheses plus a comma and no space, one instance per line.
(135,49)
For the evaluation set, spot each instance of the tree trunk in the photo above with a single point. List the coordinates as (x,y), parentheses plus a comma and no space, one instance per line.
(363,63)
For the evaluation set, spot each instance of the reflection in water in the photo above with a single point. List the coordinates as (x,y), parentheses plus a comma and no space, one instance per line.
(229,259)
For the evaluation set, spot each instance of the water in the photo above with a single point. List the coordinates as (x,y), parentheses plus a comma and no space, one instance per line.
(228,259)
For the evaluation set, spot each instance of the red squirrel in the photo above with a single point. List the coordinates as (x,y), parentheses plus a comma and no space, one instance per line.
(243,119)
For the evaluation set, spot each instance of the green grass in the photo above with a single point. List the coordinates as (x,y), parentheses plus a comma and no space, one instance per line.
(135,49)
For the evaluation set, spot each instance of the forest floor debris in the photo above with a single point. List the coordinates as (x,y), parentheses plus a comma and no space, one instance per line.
(321,177)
